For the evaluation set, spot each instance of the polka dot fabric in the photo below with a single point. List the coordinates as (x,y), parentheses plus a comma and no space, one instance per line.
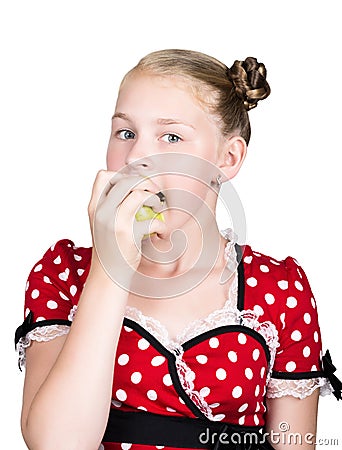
(279,291)
(221,374)
(56,281)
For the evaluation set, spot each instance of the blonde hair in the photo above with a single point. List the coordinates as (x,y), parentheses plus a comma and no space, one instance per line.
(235,90)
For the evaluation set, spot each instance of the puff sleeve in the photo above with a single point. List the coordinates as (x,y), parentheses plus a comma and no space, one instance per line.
(52,292)
(298,368)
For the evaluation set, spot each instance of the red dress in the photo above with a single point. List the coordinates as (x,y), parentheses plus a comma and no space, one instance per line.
(264,342)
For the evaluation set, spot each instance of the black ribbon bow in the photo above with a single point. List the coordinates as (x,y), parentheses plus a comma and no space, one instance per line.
(24,328)
(329,369)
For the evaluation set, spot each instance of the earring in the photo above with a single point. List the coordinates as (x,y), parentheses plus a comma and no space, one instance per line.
(218,181)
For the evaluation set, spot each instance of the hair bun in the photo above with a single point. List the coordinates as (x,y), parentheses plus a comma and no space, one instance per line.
(249,79)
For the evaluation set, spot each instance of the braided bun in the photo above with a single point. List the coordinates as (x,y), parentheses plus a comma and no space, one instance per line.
(249,80)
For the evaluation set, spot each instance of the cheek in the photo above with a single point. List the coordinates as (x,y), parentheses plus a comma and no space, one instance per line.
(115,160)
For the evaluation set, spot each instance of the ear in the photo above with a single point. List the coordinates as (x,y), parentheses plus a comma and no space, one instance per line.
(232,155)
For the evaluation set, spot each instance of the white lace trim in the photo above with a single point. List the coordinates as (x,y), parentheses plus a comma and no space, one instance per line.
(297,388)
(39,334)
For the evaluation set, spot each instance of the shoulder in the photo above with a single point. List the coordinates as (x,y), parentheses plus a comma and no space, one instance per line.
(61,272)
(274,285)
(64,254)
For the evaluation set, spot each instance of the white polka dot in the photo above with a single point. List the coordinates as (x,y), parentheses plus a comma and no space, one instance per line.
(256,254)
(269,299)
(242,420)
(27,285)
(242,338)
(243,407)
(64,275)
(64,297)
(116,403)
(290,366)
(298,285)
(214,405)
(262,372)
(128,329)
(251,281)
(296,335)
(214,342)
(248,259)
(40,319)
(136,377)
(264,268)
(77,257)
(123,359)
(221,374)
(57,260)
(315,336)
(205,392)
(257,390)
(35,293)
(80,272)
(159,447)
(143,344)
(282,319)
(157,361)
(219,417)
(258,310)
(167,380)
(152,395)
(142,408)
(202,359)
(291,302)
(249,373)
(126,446)
(314,368)
(256,419)
(313,303)
(38,268)
(27,312)
(181,400)
(256,354)
(306,351)
(257,407)
(237,392)
(121,395)
(307,318)
(47,280)
(73,290)
(232,356)
(283,284)
(51,304)
(170,409)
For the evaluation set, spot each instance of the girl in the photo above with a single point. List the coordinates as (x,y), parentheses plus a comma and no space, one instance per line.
(180,336)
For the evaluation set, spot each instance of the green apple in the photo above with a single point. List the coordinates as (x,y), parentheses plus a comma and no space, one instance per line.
(147,213)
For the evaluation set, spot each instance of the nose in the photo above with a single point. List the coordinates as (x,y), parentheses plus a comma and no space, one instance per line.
(139,160)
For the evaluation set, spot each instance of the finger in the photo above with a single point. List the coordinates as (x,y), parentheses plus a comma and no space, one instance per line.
(144,229)
(154,202)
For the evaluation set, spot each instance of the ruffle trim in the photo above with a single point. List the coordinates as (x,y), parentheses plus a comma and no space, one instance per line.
(39,334)
(297,388)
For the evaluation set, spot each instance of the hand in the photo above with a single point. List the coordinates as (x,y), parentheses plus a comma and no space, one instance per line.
(117,236)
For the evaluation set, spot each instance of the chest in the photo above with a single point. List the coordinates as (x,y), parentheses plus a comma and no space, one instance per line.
(178,312)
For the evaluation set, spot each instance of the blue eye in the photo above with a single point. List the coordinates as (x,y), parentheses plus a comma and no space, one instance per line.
(125,134)
(171,138)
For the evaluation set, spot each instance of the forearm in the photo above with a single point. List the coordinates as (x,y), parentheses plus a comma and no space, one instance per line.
(70,409)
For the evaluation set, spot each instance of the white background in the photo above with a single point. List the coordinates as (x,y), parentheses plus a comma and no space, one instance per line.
(61,63)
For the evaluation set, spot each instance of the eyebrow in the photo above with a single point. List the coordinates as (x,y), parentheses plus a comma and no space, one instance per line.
(160,121)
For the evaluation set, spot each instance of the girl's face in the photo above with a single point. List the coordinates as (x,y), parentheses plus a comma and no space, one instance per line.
(156,115)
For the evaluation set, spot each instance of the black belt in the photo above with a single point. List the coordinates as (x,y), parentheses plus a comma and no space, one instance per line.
(182,432)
